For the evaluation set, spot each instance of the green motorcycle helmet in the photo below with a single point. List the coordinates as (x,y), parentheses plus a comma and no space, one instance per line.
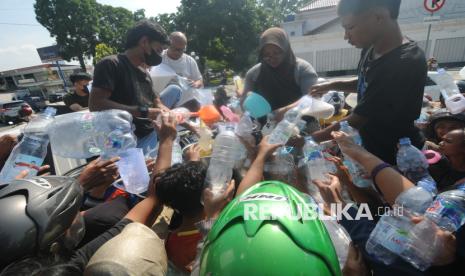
(254,236)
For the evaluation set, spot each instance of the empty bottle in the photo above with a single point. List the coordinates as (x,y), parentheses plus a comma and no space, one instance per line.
(245,128)
(83,135)
(224,156)
(29,154)
(176,154)
(315,161)
(446,212)
(181,114)
(358,173)
(391,235)
(411,161)
(453,99)
(205,140)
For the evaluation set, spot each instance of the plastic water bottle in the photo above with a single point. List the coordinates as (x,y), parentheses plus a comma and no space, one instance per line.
(245,128)
(205,140)
(222,161)
(356,170)
(83,135)
(411,161)
(454,100)
(316,163)
(282,166)
(446,212)
(176,153)
(391,237)
(29,154)
(181,114)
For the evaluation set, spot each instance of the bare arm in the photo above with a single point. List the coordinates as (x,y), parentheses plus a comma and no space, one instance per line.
(354,120)
(389,181)
(255,172)
(76,107)
(348,86)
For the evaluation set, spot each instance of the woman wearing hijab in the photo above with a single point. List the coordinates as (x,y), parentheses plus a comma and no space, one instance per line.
(280,77)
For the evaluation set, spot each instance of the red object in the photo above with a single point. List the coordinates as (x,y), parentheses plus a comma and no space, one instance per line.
(181,248)
(26,110)
(433,5)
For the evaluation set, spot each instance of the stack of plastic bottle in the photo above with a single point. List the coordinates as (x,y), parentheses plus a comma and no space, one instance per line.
(83,135)
(356,171)
(29,154)
(446,212)
(223,159)
(176,153)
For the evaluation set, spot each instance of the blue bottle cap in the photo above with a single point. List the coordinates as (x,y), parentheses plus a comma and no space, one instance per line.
(405,141)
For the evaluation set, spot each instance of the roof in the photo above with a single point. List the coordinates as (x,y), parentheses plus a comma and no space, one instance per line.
(319,4)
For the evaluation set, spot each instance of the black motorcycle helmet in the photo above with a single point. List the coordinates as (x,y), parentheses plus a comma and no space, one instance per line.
(35,213)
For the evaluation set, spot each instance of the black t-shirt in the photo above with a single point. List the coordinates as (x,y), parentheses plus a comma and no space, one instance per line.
(129,85)
(390,96)
(73,98)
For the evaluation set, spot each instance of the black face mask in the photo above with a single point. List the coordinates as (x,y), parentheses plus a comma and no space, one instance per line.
(153,59)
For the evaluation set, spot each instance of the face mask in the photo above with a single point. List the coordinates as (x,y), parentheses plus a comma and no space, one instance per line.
(153,59)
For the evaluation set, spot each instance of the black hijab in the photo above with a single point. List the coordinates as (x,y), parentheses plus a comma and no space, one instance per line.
(277,85)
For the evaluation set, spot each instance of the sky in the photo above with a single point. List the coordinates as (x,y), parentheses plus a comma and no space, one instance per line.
(21,34)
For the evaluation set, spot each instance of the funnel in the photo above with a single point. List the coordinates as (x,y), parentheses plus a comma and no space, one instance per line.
(209,114)
(256,105)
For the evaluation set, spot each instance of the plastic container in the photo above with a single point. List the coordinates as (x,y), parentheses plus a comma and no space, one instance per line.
(86,134)
(133,171)
(411,161)
(256,105)
(315,161)
(223,159)
(453,99)
(208,114)
(29,154)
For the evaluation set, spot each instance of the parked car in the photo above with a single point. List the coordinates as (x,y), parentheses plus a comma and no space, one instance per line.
(14,111)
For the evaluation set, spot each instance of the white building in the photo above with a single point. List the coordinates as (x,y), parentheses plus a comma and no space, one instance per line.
(317,35)
(44,76)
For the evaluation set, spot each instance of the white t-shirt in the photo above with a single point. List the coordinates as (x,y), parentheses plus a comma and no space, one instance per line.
(185,66)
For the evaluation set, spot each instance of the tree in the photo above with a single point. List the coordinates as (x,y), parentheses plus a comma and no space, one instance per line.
(231,36)
(167,21)
(139,15)
(275,11)
(73,23)
(102,50)
(114,24)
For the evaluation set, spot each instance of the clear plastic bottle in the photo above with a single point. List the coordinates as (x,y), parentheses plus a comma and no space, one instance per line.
(205,140)
(181,114)
(453,99)
(245,128)
(176,154)
(223,159)
(391,237)
(446,212)
(359,176)
(411,161)
(316,163)
(29,154)
(83,135)
(282,132)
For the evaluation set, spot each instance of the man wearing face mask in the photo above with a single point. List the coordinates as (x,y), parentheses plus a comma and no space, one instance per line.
(79,99)
(121,82)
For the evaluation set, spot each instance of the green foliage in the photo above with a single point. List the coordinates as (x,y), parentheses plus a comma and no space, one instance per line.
(167,21)
(114,24)
(102,50)
(275,11)
(73,23)
(139,15)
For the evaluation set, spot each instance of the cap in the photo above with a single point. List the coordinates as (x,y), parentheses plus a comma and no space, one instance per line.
(137,250)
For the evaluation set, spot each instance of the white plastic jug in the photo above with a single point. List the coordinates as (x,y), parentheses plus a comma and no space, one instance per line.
(319,109)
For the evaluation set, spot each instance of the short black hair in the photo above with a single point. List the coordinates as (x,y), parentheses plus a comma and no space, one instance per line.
(79,76)
(180,187)
(356,7)
(148,28)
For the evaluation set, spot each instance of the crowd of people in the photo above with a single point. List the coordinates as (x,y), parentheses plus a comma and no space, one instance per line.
(82,224)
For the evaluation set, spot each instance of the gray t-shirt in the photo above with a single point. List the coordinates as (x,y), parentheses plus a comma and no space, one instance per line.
(305,76)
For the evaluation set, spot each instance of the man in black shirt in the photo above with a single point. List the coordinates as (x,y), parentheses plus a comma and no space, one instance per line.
(79,99)
(391,78)
(121,82)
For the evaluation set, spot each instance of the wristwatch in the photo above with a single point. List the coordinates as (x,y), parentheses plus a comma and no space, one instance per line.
(144,111)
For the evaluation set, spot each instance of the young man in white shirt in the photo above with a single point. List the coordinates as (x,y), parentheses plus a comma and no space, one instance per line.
(185,66)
